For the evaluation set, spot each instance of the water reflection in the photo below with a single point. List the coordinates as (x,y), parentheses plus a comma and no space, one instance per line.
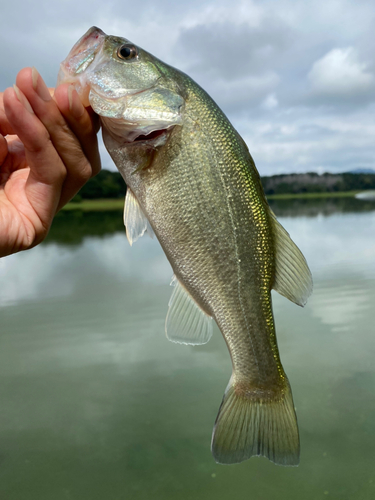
(320,206)
(71,228)
(96,403)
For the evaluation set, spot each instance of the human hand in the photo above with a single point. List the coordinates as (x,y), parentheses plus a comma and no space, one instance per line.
(50,151)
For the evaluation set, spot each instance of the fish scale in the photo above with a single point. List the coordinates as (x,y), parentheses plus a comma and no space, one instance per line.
(191,178)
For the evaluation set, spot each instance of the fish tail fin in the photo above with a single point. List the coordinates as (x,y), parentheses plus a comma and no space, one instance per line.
(256,422)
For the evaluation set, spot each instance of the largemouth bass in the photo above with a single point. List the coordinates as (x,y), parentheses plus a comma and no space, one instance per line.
(192,181)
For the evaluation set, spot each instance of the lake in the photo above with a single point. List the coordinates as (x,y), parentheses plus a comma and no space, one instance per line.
(96,404)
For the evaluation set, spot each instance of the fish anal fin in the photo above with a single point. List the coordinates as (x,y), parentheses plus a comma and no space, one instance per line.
(250,425)
(135,221)
(186,323)
(293,278)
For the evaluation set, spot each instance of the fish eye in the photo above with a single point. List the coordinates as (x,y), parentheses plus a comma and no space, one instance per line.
(127,52)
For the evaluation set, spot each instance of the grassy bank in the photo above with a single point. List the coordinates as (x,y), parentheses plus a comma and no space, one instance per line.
(102,204)
(306,196)
(99,205)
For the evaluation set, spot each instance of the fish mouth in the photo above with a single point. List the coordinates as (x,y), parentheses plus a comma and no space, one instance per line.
(134,134)
(153,139)
(154,136)
(83,53)
(89,41)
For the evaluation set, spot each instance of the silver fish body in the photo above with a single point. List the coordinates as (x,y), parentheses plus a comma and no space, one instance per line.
(191,179)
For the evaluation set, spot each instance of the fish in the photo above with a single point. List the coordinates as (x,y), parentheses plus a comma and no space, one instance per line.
(192,182)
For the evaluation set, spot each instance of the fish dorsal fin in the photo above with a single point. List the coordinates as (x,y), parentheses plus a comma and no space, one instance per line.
(135,221)
(186,323)
(293,278)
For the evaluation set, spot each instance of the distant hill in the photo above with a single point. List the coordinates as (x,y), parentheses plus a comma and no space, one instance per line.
(361,171)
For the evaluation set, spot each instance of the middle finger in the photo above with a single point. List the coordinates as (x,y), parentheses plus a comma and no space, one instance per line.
(63,139)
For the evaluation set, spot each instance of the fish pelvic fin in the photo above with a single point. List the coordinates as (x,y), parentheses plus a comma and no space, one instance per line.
(254,422)
(186,323)
(135,221)
(293,278)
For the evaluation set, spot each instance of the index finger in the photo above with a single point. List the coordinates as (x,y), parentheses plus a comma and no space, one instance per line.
(5,126)
(47,171)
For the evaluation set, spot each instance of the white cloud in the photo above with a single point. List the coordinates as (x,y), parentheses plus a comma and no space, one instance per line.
(340,71)
(306,140)
(245,11)
(270,102)
(242,92)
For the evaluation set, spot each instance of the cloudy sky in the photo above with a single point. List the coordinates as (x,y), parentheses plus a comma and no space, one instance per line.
(297,79)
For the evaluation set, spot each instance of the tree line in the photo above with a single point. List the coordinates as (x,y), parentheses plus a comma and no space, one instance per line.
(106,184)
(315,183)
(109,184)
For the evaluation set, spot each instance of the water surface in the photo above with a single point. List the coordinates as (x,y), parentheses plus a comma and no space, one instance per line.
(97,404)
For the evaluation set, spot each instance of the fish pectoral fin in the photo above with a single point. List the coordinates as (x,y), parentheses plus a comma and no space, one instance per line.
(186,323)
(147,162)
(293,278)
(135,221)
(250,425)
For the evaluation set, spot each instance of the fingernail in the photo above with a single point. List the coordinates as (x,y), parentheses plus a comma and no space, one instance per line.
(76,107)
(23,99)
(39,86)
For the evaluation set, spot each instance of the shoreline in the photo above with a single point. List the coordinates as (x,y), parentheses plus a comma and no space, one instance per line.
(96,205)
(293,196)
(112,204)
